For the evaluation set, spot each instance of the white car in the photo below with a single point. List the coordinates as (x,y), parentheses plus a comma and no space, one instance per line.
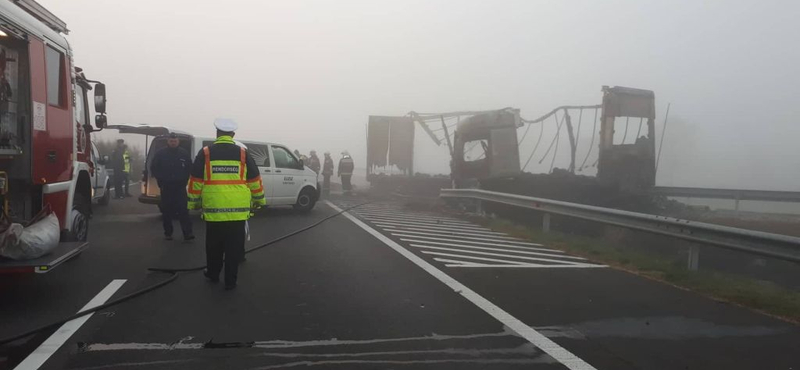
(287,181)
(100,178)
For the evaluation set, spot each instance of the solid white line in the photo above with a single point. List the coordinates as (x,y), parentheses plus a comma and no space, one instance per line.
(457,263)
(424,220)
(460,263)
(38,357)
(400,234)
(459,247)
(532,265)
(505,239)
(570,263)
(550,347)
(411,217)
(424,223)
(438,229)
(405,212)
(476,258)
(490,244)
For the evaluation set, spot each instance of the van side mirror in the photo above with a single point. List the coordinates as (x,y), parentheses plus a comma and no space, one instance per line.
(301,165)
(104,160)
(100,98)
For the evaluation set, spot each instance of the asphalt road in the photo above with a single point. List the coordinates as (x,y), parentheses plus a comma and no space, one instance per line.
(380,288)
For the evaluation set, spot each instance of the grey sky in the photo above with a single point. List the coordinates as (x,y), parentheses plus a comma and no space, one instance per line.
(308,73)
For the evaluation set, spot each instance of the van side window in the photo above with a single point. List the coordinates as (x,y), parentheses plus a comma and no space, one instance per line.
(284,158)
(260,154)
(55,63)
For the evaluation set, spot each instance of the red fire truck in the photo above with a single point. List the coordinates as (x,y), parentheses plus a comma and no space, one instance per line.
(45,146)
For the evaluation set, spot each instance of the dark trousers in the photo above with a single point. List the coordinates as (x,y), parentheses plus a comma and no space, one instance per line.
(173,205)
(225,240)
(118,181)
(326,185)
(346,186)
(126,181)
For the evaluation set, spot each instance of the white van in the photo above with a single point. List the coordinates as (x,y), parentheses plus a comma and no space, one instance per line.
(287,181)
(100,178)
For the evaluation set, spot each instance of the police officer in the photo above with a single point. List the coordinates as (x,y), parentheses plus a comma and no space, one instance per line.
(226,184)
(327,172)
(126,170)
(171,167)
(346,171)
(118,162)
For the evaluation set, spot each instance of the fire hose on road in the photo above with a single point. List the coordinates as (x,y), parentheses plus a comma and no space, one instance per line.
(174,274)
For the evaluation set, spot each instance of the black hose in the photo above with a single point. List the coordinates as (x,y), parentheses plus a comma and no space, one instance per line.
(175,273)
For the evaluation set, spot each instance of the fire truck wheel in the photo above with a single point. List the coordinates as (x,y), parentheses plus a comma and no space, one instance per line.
(80,219)
(106,198)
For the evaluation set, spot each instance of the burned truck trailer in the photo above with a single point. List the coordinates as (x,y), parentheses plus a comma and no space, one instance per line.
(484,149)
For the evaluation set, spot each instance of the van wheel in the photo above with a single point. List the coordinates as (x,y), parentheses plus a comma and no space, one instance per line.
(106,197)
(306,200)
(80,219)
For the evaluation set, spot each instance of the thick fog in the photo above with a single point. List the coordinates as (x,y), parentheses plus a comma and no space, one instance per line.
(308,73)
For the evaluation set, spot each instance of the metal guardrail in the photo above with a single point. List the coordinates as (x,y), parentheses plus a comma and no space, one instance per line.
(779,246)
(734,194)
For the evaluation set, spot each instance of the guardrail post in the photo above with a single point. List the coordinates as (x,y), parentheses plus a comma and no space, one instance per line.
(694,257)
(546,223)
(479,207)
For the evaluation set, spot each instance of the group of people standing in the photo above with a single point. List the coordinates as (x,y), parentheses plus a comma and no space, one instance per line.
(225,183)
(345,172)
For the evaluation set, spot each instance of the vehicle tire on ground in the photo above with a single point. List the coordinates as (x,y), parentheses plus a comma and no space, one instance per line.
(306,200)
(106,196)
(81,209)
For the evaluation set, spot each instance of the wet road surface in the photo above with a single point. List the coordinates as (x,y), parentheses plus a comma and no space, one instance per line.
(382,287)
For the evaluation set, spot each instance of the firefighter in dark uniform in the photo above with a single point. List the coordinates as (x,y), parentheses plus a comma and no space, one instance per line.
(327,172)
(226,184)
(171,167)
(346,167)
(313,162)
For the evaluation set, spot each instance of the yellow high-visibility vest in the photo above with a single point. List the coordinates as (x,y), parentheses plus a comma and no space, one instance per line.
(224,193)
(126,158)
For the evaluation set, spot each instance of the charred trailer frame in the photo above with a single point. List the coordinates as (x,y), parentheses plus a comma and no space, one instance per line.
(496,132)
(630,167)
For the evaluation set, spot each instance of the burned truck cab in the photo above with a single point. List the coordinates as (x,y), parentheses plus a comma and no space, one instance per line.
(627,164)
(485,146)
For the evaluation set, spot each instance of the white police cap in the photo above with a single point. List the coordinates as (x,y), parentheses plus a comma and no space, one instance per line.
(225,124)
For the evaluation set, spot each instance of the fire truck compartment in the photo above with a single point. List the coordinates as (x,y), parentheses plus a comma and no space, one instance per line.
(64,252)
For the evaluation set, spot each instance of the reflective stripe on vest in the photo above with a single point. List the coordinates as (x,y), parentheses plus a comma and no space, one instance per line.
(225,194)
(126,159)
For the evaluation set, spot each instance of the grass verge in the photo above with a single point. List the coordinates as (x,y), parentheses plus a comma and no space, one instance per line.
(763,296)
